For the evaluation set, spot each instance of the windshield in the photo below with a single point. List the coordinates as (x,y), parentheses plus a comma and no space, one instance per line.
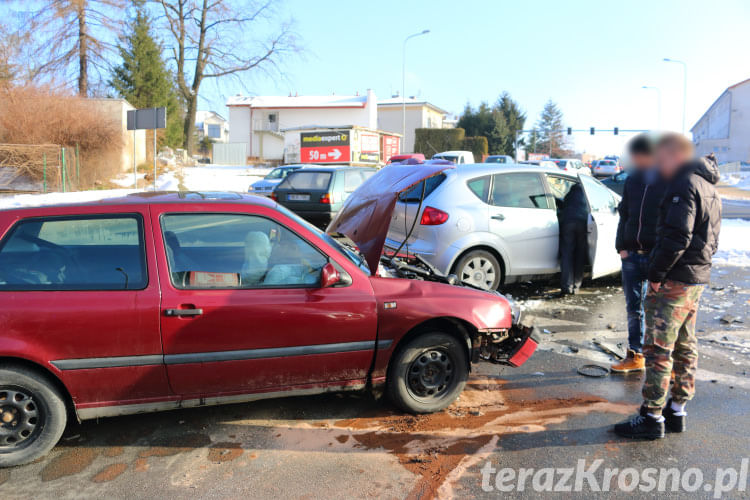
(276,173)
(496,159)
(452,158)
(344,250)
(414,193)
(306,181)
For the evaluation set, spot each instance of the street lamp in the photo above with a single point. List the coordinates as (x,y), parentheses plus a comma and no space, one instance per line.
(658,104)
(684,88)
(403,85)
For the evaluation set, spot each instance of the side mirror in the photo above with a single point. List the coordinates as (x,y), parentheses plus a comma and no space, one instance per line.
(329,276)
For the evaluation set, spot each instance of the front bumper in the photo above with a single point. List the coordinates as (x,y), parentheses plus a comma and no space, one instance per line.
(511,347)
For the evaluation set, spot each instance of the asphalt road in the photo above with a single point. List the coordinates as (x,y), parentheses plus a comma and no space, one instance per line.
(350,446)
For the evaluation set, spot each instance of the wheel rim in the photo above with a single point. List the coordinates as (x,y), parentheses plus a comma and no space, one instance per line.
(431,375)
(21,418)
(480,272)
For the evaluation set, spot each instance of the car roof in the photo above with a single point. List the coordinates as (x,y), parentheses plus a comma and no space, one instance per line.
(334,168)
(162,197)
(471,169)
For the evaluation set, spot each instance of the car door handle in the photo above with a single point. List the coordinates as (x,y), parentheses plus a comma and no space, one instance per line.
(498,217)
(183,312)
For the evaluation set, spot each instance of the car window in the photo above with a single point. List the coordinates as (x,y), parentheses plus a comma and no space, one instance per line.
(306,181)
(276,173)
(480,187)
(559,187)
(237,251)
(413,194)
(518,190)
(599,196)
(75,253)
(352,180)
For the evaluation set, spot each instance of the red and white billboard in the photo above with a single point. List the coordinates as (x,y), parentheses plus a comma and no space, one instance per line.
(391,147)
(330,146)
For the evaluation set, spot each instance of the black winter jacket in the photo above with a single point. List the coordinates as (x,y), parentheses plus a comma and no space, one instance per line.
(575,207)
(639,210)
(688,227)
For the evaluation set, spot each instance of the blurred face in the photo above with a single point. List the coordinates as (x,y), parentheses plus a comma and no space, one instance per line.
(669,159)
(642,161)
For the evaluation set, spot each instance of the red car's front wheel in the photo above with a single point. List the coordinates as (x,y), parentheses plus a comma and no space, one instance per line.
(428,373)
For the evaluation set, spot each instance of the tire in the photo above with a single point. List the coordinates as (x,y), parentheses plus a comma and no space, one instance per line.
(428,373)
(32,415)
(481,269)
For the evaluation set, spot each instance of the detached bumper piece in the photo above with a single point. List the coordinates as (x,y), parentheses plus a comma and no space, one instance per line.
(510,347)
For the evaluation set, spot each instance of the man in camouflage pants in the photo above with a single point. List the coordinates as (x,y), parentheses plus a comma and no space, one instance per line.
(687,237)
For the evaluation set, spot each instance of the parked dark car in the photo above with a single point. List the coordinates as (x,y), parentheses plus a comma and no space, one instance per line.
(616,182)
(160,301)
(316,194)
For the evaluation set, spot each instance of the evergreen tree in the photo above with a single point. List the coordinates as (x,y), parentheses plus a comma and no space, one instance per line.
(551,138)
(143,78)
(500,124)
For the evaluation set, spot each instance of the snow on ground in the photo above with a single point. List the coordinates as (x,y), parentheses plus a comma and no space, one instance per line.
(201,178)
(740,180)
(734,243)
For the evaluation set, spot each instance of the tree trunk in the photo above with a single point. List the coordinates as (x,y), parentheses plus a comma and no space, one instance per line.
(83,61)
(189,124)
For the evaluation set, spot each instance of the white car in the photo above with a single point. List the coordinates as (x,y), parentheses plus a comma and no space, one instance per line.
(457,157)
(572,165)
(605,168)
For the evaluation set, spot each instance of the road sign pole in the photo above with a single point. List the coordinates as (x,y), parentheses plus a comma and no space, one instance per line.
(135,170)
(154,159)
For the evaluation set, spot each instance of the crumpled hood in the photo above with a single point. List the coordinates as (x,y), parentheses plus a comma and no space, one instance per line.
(366,214)
(706,167)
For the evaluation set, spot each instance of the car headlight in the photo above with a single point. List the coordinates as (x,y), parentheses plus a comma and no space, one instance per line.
(515,309)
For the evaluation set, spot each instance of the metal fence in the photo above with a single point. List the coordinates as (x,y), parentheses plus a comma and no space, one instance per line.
(232,153)
(730,168)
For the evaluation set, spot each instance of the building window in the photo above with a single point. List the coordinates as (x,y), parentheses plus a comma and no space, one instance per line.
(214,131)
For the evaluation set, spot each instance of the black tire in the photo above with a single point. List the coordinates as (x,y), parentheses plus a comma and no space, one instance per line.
(484,263)
(428,373)
(32,415)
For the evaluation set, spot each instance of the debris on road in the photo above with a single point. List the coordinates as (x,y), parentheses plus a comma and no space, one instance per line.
(609,349)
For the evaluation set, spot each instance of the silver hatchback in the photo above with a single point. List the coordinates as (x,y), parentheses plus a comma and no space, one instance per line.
(492,225)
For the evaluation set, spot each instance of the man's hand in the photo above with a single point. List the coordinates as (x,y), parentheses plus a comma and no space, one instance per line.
(654,286)
(624,254)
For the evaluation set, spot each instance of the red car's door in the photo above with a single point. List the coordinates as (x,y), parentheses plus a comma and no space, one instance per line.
(242,310)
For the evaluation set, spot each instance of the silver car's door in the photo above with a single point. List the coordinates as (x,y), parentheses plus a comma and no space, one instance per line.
(602,227)
(524,218)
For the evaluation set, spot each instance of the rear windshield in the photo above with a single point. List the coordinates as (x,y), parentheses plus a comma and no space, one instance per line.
(413,194)
(452,158)
(609,163)
(306,181)
(496,159)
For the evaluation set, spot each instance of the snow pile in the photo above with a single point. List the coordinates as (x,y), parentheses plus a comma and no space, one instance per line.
(740,180)
(221,177)
(37,200)
(734,244)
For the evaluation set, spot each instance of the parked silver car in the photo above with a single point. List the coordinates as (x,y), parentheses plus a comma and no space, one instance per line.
(496,225)
(605,168)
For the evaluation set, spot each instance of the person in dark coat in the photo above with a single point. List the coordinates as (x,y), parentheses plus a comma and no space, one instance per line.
(636,236)
(687,238)
(574,248)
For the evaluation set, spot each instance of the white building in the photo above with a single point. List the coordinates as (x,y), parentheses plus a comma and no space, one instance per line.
(116,111)
(724,129)
(258,122)
(212,125)
(419,114)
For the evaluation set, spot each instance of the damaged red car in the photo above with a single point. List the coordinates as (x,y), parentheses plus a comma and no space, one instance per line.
(158,301)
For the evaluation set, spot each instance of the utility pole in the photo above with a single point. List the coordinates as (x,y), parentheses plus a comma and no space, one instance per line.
(684,88)
(403,86)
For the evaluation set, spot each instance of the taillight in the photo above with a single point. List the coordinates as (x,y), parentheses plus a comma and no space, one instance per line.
(326,199)
(274,197)
(433,217)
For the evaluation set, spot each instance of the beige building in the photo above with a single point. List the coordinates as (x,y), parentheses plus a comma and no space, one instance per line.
(212,125)
(724,129)
(116,110)
(419,114)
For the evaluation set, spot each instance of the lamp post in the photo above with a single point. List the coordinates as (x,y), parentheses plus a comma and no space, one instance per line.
(658,104)
(684,87)
(403,85)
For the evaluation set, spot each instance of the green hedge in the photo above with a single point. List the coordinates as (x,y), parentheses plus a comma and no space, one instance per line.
(477,145)
(429,141)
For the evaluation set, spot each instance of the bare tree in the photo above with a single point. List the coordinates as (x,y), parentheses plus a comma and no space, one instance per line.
(70,39)
(217,38)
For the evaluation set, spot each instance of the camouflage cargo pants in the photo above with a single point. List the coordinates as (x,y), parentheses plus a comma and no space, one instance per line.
(670,343)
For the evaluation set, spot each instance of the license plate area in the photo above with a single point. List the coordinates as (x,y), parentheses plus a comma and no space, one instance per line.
(298,197)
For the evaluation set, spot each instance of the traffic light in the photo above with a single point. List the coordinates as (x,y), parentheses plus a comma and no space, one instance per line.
(617,130)
(591,130)
(570,130)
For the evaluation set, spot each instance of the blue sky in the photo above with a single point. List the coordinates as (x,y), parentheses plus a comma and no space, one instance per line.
(590,56)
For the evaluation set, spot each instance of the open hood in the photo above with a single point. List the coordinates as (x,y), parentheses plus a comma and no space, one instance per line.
(366,214)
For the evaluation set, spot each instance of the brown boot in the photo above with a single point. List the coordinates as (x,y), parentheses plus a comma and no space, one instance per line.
(635,362)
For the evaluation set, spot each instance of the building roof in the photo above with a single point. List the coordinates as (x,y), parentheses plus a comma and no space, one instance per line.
(307,101)
(410,101)
(200,116)
(731,87)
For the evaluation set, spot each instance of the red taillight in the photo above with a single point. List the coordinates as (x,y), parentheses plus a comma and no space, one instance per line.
(274,197)
(326,199)
(433,217)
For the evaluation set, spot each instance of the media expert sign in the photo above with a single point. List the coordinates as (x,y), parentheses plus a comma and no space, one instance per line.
(325,147)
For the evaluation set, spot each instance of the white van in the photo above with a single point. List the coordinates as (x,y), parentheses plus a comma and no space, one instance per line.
(457,157)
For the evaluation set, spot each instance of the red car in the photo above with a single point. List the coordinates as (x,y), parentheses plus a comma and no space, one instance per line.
(157,301)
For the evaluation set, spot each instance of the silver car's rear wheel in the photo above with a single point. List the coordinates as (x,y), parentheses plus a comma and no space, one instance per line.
(480,269)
